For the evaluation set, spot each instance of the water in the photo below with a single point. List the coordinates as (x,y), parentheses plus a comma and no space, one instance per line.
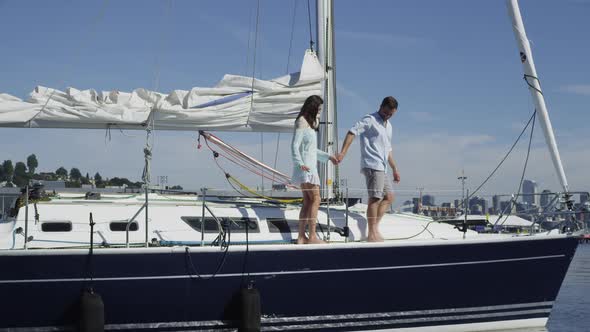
(571,309)
(570,312)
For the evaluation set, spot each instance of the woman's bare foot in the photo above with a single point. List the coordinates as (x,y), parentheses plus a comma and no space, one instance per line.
(315,241)
(302,240)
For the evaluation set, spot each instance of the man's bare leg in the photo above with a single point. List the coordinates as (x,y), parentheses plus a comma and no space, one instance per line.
(373,220)
(384,206)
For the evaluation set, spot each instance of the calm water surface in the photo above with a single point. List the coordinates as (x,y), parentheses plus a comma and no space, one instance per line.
(571,311)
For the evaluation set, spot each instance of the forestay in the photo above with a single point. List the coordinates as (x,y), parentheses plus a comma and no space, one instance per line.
(236,103)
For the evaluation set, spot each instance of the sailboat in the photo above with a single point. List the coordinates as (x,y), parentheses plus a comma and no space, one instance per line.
(200,263)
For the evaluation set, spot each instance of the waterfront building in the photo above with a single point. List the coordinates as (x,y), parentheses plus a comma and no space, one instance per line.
(428,200)
(529,191)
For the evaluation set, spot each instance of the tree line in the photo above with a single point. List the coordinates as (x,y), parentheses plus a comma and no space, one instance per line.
(21,173)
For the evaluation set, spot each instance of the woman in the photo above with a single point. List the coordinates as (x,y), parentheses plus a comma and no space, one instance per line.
(305,156)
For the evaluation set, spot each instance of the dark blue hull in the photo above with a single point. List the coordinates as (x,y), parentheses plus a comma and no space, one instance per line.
(335,287)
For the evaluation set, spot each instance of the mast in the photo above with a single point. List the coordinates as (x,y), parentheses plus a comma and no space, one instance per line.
(328,127)
(531,77)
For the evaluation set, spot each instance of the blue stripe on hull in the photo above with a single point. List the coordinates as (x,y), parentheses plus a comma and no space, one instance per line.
(358,281)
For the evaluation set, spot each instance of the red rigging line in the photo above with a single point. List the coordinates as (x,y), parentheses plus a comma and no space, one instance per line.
(241,159)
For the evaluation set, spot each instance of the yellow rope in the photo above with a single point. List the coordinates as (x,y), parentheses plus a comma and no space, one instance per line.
(253,192)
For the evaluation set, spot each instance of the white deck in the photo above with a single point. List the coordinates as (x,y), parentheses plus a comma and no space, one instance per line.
(165,215)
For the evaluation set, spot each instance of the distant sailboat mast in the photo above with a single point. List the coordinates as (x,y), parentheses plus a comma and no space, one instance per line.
(531,77)
(328,129)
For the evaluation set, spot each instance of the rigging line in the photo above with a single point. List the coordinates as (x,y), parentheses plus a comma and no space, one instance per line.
(413,236)
(251,168)
(280,200)
(250,17)
(262,160)
(513,201)
(276,159)
(237,161)
(254,61)
(503,159)
(335,143)
(226,147)
(526,79)
(229,178)
(150,132)
(310,30)
(240,161)
(292,31)
(233,157)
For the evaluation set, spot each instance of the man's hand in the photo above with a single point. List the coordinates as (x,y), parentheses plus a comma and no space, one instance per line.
(334,160)
(396,177)
(340,157)
(304,168)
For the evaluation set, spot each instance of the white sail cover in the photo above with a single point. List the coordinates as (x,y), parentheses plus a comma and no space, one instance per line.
(236,103)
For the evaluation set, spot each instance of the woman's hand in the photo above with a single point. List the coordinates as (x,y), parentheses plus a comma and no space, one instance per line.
(334,160)
(304,168)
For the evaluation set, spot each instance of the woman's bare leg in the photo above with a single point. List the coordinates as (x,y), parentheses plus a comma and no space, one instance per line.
(303,215)
(314,201)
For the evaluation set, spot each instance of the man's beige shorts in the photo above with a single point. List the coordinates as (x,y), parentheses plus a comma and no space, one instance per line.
(378,183)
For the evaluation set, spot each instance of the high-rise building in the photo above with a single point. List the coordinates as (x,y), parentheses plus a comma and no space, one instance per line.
(480,202)
(529,191)
(496,204)
(428,200)
(545,197)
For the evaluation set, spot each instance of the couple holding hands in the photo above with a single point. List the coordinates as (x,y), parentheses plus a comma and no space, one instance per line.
(375,133)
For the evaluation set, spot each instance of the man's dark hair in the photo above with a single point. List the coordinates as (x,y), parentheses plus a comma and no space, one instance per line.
(389,102)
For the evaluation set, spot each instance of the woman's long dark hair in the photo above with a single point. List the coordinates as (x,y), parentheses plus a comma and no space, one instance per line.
(309,110)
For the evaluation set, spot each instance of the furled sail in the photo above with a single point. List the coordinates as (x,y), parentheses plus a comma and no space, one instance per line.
(236,103)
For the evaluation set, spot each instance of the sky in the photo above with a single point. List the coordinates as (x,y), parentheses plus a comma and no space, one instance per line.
(452,65)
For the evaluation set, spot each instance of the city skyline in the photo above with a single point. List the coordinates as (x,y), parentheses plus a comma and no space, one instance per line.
(529,200)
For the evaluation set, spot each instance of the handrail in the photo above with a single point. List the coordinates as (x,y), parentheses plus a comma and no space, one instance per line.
(26,216)
(129,222)
(205,207)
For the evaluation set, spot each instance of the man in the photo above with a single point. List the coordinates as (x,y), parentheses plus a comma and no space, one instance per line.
(375,134)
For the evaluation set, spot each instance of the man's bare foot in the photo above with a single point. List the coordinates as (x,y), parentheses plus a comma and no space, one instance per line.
(315,241)
(375,238)
(302,240)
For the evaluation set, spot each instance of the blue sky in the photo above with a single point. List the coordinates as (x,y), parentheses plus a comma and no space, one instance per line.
(453,66)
